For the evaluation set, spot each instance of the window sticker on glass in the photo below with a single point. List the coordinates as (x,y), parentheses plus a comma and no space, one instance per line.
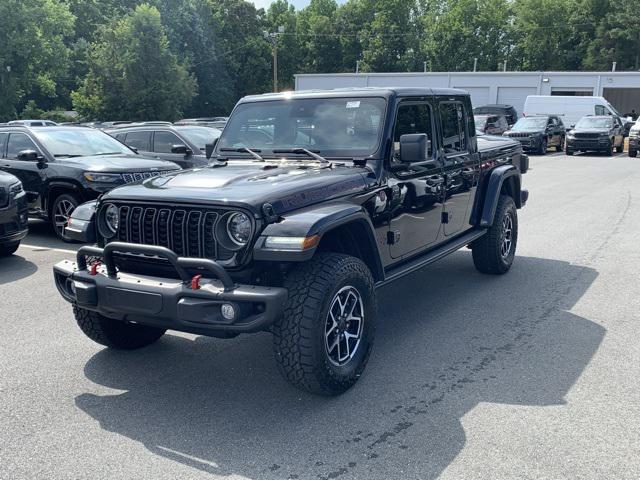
(353,104)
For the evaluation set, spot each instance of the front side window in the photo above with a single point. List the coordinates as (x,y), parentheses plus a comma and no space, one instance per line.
(454,137)
(601,110)
(19,142)
(334,127)
(163,142)
(413,118)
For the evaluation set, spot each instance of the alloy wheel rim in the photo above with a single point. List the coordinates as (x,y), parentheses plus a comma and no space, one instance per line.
(63,211)
(344,325)
(507,235)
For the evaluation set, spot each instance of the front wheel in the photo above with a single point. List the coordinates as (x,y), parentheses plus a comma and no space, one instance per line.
(61,210)
(7,249)
(560,145)
(620,148)
(543,147)
(494,252)
(324,338)
(633,153)
(115,333)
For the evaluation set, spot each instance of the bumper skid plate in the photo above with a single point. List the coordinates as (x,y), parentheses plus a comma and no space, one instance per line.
(166,302)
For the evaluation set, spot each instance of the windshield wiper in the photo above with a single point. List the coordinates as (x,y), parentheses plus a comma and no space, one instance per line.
(309,153)
(253,153)
(108,153)
(67,155)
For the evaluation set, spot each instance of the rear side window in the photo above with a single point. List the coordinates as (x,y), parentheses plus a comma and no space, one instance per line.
(454,136)
(19,142)
(164,141)
(139,140)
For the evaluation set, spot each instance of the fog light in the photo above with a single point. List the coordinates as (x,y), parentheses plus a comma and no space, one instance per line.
(228,311)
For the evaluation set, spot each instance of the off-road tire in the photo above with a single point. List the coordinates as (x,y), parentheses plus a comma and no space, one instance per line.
(560,146)
(114,333)
(299,336)
(633,153)
(487,256)
(620,148)
(7,249)
(569,151)
(65,197)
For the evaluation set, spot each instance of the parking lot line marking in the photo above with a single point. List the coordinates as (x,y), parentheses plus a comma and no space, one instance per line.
(36,248)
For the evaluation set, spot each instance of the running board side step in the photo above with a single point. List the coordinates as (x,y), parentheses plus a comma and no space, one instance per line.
(431,256)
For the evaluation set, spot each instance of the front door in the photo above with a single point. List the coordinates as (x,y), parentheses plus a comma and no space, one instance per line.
(31,174)
(163,142)
(416,192)
(459,164)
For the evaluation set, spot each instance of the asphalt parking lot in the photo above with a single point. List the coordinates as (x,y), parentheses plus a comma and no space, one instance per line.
(530,375)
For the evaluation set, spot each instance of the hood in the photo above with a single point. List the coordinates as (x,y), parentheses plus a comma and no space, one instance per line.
(7,179)
(285,185)
(531,131)
(120,163)
(490,142)
(604,131)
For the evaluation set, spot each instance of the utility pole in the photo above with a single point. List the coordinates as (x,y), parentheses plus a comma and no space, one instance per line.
(475,64)
(273,39)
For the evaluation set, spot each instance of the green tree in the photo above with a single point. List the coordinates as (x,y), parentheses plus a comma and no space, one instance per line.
(291,51)
(319,37)
(133,74)
(33,54)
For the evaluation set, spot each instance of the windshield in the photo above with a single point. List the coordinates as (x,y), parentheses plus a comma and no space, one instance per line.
(334,127)
(588,122)
(200,136)
(80,142)
(530,123)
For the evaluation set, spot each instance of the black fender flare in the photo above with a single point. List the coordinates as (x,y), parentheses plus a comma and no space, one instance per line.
(70,185)
(320,220)
(82,226)
(491,193)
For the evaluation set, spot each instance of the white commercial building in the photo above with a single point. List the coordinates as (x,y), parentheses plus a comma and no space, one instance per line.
(621,89)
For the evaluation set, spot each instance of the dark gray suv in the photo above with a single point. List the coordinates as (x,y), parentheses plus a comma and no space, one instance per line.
(183,145)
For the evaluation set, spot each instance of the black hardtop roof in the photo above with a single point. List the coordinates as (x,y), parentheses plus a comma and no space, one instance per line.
(495,105)
(386,92)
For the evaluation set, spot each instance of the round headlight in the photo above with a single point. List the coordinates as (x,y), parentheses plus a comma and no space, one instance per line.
(239,228)
(112,218)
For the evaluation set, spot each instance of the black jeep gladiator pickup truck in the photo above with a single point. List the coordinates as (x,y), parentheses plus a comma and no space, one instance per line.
(310,202)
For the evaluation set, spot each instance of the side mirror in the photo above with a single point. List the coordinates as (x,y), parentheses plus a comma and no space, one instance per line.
(414,147)
(181,150)
(29,156)
(209,147)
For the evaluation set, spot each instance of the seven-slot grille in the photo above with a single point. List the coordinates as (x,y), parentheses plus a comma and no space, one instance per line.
(137,176)
(189,232)
(520,135)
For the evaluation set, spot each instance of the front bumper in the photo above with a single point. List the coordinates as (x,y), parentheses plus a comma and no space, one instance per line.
(14,220)
(167,302)
(588,143)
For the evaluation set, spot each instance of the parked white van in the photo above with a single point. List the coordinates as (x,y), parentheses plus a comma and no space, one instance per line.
(569,108)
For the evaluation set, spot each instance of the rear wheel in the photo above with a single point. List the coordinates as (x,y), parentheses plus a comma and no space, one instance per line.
(494,252)
(61,209)
(560,145)
(7,249)
(114,333)
(568,151)
(633,153)
(323,340)
(620,148)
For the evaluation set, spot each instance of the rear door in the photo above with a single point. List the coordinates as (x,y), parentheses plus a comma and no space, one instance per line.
(458,162)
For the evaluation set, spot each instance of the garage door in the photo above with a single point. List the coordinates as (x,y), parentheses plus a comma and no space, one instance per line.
(624,99)
(479,95)
(515,96)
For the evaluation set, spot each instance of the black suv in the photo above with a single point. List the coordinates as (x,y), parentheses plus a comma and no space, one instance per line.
(184,145)
(538,133)
(13,214)
(508,111)
(602,133)
(312,200)
(61,167)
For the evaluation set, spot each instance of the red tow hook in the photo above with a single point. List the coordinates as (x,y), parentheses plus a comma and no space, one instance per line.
(94,268)
(195,282)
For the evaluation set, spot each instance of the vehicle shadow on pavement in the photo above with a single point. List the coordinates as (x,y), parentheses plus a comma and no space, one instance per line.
(15,267)
(448,338)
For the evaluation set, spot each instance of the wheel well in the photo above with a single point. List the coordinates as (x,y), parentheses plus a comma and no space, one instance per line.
(58,190)
(354,239)
(511,186)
